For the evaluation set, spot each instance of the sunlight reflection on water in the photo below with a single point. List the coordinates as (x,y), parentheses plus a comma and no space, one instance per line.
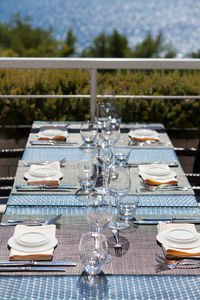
(178,19)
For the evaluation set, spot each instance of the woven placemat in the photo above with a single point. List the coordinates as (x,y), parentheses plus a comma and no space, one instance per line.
(69,172)
(138,254)
(123,141)
(70,177)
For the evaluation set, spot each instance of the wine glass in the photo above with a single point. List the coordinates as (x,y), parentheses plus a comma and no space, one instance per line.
(111,132)
(93,250)
(87,176)
(102,113)
(119,186)
(121,155)
(88,131)
(99,211)
(104,158)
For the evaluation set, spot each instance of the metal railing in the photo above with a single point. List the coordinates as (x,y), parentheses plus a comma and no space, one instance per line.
(95,64)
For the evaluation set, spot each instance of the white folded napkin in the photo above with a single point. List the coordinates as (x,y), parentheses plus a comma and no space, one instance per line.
(51,180)
(49,230)
(151,136)
(157,179)
(170,251)
(53,133)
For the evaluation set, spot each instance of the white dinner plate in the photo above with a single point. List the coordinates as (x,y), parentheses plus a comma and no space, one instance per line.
(158,171)
(179,238)
(53,132)
(143,133)
(145,173)
(31,239)
(24,246)
(43,172)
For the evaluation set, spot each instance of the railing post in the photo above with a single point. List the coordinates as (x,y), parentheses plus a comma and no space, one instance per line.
(93,93)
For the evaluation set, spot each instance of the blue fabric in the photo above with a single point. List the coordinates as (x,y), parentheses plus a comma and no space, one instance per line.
(108,287)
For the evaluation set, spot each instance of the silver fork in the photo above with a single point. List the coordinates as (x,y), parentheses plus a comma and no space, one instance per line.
(169,187)
(117,246)
(36,222)
(42,163)
(172,264)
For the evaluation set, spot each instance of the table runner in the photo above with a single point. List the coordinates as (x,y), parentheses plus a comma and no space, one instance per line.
(65,200)
(141,211)
(75,154)
(103,288)
(138,254)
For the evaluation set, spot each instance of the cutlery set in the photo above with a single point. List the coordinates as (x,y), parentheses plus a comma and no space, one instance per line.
(172,163)
(52,143)
(53,266)
(155,221)
(53,188)
(33,222)
(170,264)
(41,163)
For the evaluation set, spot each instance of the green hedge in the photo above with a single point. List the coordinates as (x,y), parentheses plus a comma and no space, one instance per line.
(172,113)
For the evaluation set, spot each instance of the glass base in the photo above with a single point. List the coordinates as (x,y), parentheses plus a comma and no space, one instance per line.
(118,225)
(108,259)
(101,190)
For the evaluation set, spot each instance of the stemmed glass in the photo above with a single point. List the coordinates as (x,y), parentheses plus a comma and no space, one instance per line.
(99,211)
(93,250)
(119,186)
(87,176)
(89,131)
(104,158)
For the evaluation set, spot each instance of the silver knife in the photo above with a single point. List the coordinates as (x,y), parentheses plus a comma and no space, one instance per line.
(28,188)
(60,186)
(37,263)
(170,219)
(51,142)
(143,222)
(169,163)
(35,269)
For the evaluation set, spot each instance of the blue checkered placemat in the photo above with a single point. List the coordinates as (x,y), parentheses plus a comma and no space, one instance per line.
(73,200)
(141,211)
(106,287)
(75,154)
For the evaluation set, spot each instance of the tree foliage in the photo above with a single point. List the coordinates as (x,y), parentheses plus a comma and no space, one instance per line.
(18,38)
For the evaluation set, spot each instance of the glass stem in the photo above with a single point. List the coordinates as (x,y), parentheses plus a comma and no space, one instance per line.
(118,208)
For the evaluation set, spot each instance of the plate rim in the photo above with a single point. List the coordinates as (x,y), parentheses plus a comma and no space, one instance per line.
(60,132)
(31,244)
(161,238)
(195,236)
(169,176)
(31,172)
(58,175)
(51,244)
(166,169)
(153,132)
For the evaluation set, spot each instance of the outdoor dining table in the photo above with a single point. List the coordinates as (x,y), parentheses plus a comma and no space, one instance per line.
(131,276)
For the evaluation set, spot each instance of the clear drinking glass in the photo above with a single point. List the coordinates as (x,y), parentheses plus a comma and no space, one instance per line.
(99,211)
(119,186)
(128,207)
(93,250)
(89,133)
(87,176)
(121,155)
